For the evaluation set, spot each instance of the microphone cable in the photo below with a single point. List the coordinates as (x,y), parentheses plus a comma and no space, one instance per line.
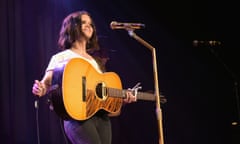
(36,105)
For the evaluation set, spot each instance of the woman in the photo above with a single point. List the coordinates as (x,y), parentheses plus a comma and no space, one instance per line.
(78,39)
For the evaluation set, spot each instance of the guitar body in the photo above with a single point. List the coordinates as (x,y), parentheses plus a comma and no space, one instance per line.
(82,92)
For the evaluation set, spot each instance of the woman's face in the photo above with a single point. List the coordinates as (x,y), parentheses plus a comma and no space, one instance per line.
(87,28)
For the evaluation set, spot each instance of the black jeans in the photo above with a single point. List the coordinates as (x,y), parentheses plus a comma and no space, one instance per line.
(96,130)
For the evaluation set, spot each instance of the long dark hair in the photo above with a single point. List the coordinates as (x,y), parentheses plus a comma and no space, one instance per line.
(71,31)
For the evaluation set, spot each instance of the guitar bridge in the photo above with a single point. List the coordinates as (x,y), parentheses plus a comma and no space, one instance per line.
(84,90)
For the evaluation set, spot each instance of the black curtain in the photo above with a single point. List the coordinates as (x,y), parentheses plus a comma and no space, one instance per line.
(28,36)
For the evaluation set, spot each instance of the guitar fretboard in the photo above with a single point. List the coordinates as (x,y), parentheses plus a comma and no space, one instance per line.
(122,94)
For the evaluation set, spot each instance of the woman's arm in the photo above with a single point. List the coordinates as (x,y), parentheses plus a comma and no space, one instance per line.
(40,88)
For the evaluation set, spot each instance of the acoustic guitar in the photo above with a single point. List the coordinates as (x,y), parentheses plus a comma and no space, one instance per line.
(81,91)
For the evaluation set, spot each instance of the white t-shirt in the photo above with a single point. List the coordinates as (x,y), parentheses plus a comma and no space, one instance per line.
(66,55)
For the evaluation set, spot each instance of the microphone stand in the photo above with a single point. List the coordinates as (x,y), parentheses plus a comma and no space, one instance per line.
(236,85)
(158,101)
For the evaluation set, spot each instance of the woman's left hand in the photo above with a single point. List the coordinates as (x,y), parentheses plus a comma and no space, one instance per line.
(130,97)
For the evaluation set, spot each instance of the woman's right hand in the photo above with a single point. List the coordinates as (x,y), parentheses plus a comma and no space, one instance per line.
(39,88)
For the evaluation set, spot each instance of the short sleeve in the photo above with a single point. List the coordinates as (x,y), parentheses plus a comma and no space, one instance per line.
(52,63)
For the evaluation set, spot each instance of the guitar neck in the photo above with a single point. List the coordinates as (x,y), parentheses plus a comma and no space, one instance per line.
(146,96)
(112,92)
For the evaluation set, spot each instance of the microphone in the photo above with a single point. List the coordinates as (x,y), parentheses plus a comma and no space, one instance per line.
(206,43)
(120,25)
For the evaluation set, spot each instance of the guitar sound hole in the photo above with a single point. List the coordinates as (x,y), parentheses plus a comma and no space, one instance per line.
(101,91)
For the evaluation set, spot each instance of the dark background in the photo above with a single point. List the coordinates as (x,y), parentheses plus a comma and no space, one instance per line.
(200,81)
